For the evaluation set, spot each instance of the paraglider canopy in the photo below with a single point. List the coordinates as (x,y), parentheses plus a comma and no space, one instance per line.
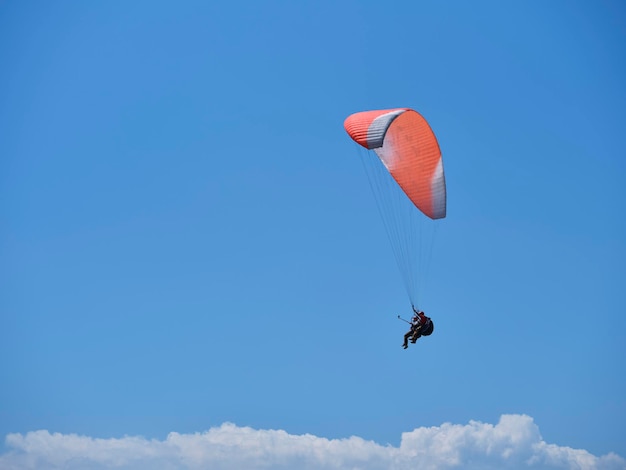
(402,159)
(408,148)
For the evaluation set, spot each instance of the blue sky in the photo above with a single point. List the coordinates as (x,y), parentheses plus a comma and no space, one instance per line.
(188,239)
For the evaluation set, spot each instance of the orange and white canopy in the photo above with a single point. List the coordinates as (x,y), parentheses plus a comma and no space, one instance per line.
(408,148)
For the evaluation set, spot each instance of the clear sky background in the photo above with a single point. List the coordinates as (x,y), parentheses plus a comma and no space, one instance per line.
(188,239)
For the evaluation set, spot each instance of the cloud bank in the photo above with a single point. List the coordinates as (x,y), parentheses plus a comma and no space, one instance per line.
(513,443)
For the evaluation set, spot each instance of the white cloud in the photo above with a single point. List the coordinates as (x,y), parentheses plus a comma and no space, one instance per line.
(513,443)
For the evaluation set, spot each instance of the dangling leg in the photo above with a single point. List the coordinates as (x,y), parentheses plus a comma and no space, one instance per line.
(406,339)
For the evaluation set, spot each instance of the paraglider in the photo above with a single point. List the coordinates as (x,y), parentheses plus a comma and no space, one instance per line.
(421,325)
(410,191)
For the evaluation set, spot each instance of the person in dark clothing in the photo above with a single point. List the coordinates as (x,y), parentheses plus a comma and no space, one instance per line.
(421,325)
